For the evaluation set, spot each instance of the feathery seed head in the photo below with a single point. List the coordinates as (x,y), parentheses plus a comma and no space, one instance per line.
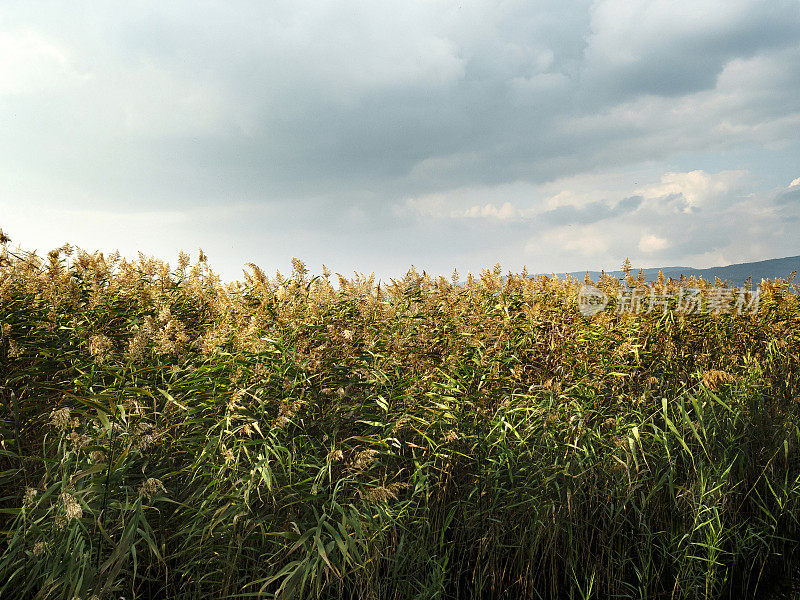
(60,419)
(383,493)
(714,379)
(30,496)
(451,436)
(364,459)
(72,507)
(150,487)
(100,347)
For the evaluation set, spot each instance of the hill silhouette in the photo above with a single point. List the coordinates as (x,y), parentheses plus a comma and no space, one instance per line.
(735,274)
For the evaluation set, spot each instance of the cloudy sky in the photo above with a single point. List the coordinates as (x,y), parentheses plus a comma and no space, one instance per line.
(371,136)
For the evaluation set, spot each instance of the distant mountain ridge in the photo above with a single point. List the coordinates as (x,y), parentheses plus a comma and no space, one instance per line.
(735,275)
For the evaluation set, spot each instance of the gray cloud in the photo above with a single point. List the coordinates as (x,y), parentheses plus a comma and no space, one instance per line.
(591,213)
(790,196)
(325,115)
(652,48)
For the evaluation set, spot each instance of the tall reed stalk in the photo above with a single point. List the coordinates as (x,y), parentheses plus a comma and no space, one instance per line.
(166,435)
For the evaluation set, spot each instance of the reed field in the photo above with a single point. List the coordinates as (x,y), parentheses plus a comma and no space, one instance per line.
(167,435)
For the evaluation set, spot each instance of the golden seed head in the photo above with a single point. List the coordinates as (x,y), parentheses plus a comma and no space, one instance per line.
(150,487)
(451,436)
(100,347)
(383,493)
(364,459)
(78,441)
(714,379)
(72,507)
(30,496)
(60,419)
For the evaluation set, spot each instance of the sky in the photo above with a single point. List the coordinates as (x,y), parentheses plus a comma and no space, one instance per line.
(373,136)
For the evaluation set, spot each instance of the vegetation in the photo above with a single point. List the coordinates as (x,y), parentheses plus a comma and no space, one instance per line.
(164,435)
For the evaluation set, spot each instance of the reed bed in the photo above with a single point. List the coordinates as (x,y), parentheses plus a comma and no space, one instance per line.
(166,435)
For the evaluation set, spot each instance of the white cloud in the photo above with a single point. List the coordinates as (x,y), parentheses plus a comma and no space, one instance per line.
(504,212)
(31,63)
(698,188)
(588,243)
(652,243)
(432,206)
